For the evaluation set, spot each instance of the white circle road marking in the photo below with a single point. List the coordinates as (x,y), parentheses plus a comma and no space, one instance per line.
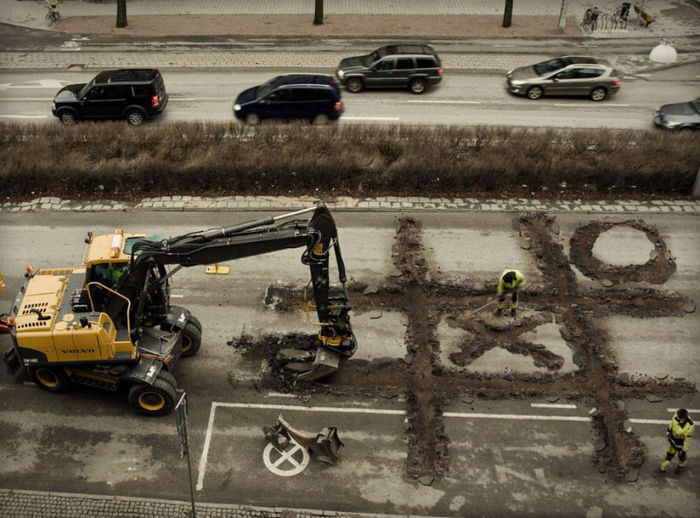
(286,457)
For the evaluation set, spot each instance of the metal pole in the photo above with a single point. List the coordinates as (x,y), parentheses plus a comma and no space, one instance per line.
(696,187)
(562,15)
(189,470)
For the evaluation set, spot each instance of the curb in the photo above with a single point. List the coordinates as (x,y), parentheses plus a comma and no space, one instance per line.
(382,204)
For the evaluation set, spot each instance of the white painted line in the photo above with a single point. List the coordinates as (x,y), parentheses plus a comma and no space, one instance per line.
(552,405)
(23,116)
(562,105)
(333,409)
(174,296)
(280,394)
(643,75)
(23,99)
(516,417)
(370,118)
(690,410)
(503,45)
(649,421)
(205,451)
(443,102)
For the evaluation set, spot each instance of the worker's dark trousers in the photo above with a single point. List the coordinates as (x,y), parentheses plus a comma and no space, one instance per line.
(502,299)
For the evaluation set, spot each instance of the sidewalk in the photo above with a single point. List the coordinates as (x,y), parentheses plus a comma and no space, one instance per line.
(436,18)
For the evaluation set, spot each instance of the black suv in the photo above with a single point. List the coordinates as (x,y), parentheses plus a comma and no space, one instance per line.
(393,66)
(315,97)
(133,94)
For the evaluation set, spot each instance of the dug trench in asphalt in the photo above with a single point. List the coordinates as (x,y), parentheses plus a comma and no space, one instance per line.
(100,447)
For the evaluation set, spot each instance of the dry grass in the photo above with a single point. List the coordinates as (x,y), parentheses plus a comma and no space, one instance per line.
(114,161)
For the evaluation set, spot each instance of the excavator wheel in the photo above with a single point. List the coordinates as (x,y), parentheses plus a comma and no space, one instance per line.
(191,338)
(196,322)
(153,400)
(165,375)
(50,379)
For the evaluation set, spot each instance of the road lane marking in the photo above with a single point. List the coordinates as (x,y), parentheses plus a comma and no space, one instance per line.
(443,102)
(24,99)
(371,118)
(577,105)
(352,410)
(552,405)
(690,410)
(23,116)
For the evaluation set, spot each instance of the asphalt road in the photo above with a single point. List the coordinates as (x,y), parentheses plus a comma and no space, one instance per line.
(461,99)
(515,457)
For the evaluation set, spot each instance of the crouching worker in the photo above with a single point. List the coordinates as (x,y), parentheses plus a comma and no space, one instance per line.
(679,432)
(510,282)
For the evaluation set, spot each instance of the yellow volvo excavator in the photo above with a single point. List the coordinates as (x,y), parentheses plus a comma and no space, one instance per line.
(110,323)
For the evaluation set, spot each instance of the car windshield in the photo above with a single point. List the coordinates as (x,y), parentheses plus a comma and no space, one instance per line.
(374,57)
(85,89)
(549,66)
(696,105)
(265,88)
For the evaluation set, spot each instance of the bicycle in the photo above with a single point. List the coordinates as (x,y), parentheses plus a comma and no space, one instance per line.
(590,20)
(52,14)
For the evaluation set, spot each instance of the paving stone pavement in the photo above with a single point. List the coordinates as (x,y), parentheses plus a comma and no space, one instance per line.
(383,203)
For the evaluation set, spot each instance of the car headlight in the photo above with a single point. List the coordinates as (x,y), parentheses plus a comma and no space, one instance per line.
(517,83)
(341,74)
(236,107)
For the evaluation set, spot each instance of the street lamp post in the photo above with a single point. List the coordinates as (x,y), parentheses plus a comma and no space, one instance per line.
(562,15)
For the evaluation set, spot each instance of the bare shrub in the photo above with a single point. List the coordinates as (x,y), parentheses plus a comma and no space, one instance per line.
(113,160)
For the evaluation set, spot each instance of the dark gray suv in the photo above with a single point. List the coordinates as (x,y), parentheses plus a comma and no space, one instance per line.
(412,66)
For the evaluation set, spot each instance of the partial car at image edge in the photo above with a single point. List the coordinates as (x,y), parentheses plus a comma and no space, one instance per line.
(679,116)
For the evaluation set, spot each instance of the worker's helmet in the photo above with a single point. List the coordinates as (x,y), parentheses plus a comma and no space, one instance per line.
(682,413)
(509,277)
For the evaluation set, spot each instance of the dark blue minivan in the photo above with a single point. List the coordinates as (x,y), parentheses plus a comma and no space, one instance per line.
(314,97)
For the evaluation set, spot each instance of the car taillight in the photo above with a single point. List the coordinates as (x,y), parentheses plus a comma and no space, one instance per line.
(154,101)
(439,72)
(616,82)
(338,106)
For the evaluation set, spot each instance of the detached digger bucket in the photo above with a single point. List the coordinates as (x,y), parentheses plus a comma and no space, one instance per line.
(325,446)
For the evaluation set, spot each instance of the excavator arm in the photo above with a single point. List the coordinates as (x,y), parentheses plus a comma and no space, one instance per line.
(144,281)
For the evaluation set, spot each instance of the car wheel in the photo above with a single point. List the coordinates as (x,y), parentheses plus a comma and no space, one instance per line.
(686,130)
(355,85)
(535,92)
(321,120)
(598,94)
(50,379)
(417,86)
(67,117)
(252,119)
(135,117)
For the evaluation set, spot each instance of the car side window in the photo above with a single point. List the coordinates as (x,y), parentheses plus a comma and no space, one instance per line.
(425,63)
(404,64)
(97,93)
(279,96)
(590,73)
(141,90)
(386,64)
(567,74)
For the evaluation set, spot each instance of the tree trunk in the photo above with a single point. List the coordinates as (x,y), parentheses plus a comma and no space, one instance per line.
(508,13)
(318,12)
(121,13)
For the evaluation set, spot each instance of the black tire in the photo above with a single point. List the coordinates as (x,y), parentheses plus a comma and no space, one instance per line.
(417,86)
(196,322)
(535,92)
(152,400)
(135,117)
(321,120)
(598,94)
(191,339)
(50,379)
(355,85)
(67,117)
(252,119)
(169,378)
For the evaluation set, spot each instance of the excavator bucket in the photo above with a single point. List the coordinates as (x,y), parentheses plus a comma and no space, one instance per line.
(324,446)
(327,446)
(325,363)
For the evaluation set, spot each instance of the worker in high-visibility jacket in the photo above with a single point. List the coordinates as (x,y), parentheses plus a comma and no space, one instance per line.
(679,432)
(510,282)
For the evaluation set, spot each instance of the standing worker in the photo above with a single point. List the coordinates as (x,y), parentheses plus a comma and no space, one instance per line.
(678,433)
(510,282)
